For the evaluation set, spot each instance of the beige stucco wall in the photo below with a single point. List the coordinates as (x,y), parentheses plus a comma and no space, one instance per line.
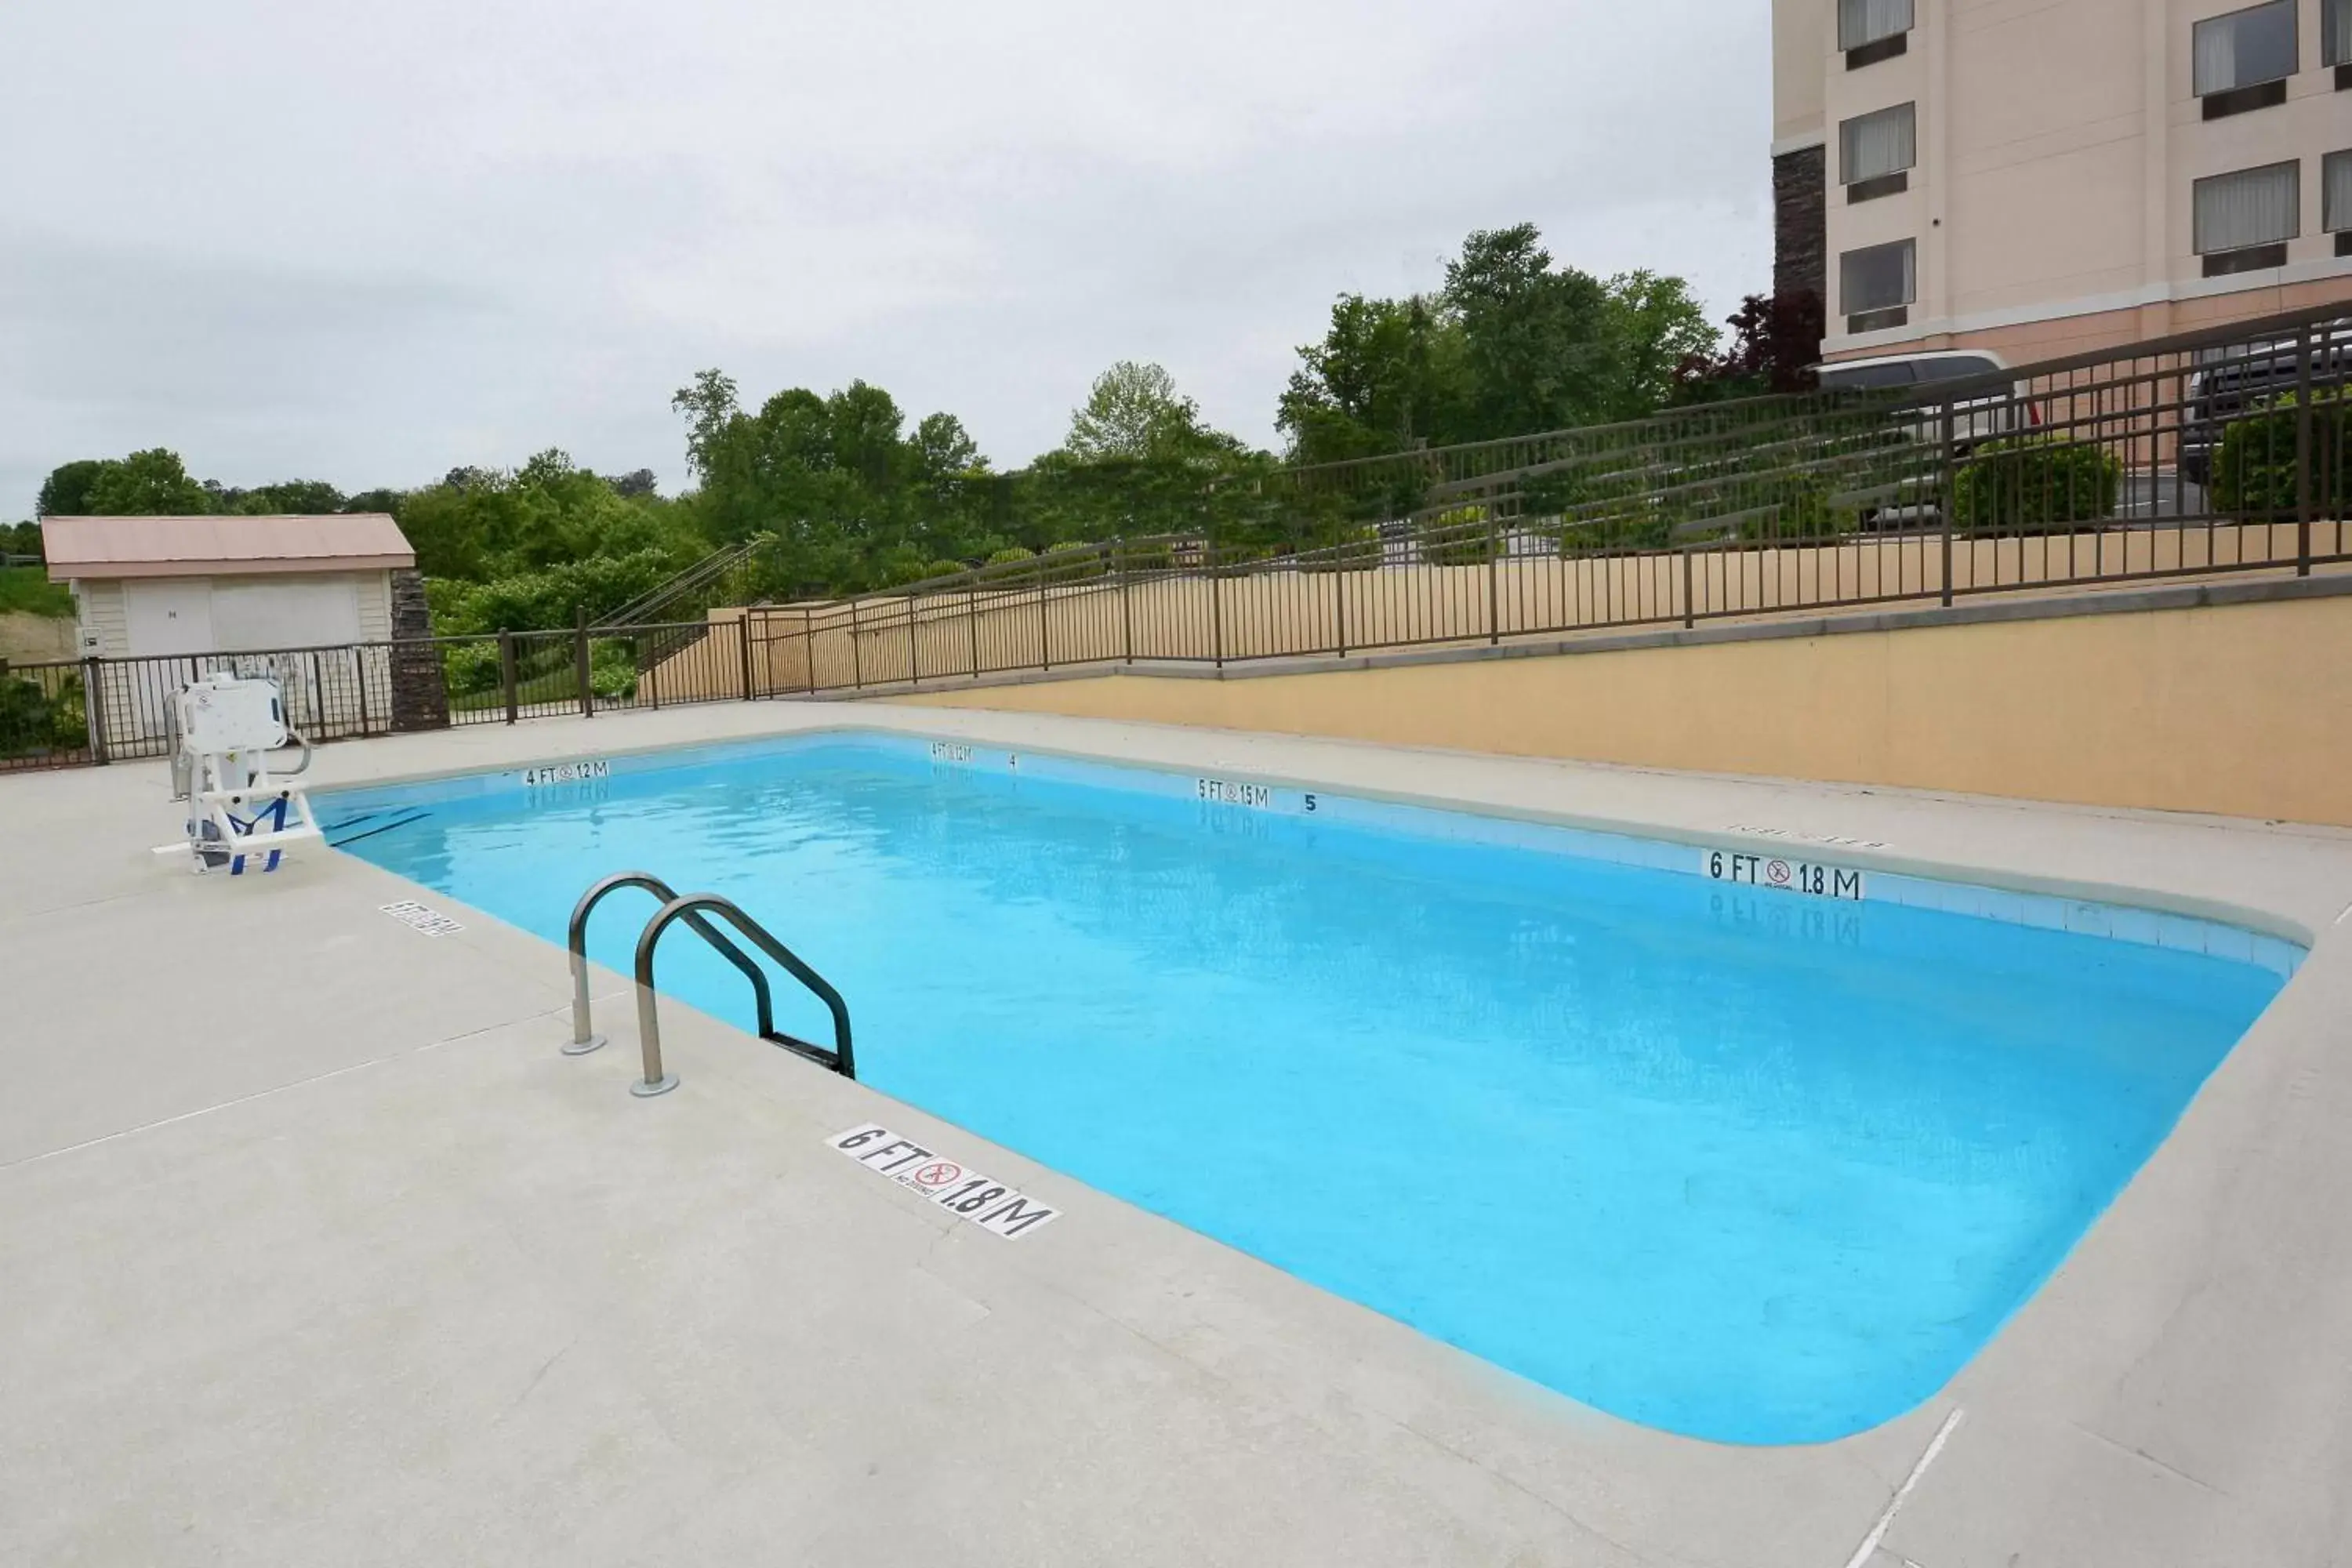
(1281,613)
(2064,337)
(776,653)
(2236,710)
(2059,143)
(1799,66)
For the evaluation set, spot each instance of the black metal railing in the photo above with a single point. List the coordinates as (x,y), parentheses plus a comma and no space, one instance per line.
(44,720)
(2219,452)
(2214,453)
(112,709)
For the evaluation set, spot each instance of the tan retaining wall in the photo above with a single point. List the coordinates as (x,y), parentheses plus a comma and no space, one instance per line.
(2242,709)
(1280,613)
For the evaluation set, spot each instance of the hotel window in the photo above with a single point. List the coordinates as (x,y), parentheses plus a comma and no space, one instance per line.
(1877,152)
(2337,199)
(1870,31)
(2244,220)
(1876,285)
(2335,38)
(2244,59)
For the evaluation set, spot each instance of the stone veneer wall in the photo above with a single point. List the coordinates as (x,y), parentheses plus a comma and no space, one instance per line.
(1800,222)
(420,690)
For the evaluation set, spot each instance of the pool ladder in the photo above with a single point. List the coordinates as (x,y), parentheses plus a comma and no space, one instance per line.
(695,911)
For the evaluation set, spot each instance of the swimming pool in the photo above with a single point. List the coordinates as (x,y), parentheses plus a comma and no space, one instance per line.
(1718,1139)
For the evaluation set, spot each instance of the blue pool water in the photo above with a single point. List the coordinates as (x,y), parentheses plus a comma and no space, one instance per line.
(1730,1161)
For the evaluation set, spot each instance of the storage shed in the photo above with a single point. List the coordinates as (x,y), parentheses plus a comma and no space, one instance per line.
(149,586)
(312,601)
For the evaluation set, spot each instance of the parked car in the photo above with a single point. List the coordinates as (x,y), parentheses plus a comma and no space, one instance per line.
(1909,501)
(2231,381)
(1986,417)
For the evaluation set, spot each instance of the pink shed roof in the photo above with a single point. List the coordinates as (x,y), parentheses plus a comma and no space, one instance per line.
(101,547)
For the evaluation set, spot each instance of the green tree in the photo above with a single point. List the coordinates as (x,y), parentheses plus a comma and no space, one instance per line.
(962,506)
(1389,375)
(1138,461)
(152,483)
(847,496)
(709,406)
(1132,410)
(1656,329)
(479,525)
(295,497)
(1540,343)
(863,427)
(65,492)
(1512,346)
(943,450)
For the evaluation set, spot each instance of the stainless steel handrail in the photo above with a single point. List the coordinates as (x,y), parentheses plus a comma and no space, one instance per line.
(841,1058)
(585,1037)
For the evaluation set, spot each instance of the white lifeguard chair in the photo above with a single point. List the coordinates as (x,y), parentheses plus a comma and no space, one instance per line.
(228,726)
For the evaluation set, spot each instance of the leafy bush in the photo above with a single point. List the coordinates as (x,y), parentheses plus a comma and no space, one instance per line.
(25,718)
(613,671)
(1355,548)
(1075,562)
(546,600)
(2254,474)
(2034,483)
(1798,511)
(1462,537)
(68,725)
(1011,553)
(31,721)
(471,667)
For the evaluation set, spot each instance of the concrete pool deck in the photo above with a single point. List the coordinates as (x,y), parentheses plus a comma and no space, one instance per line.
(317,1251)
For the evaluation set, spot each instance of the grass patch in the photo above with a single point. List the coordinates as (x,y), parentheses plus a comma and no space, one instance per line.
(556,686)
(28,591)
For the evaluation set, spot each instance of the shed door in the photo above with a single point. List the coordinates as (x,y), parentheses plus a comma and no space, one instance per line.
(287,612)
(169,614)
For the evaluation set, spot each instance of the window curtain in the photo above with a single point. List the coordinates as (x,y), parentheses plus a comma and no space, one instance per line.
(1878,278)
(2217,56)
(2339,181)
(1863,21)
(2246,49)
(1879,145)
(2335,30)
(2260,206)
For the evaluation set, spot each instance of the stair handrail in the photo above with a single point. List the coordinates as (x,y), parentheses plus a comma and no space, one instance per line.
(699,574)
(585,1039)
(690,908)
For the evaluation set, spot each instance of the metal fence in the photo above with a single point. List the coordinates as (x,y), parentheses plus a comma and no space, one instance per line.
(111,710)
(2222,452)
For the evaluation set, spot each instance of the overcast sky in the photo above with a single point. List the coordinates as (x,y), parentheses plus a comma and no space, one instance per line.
(368,242)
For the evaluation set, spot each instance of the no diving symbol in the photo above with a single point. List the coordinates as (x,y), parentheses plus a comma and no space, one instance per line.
(938,1173)
(1777,873)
